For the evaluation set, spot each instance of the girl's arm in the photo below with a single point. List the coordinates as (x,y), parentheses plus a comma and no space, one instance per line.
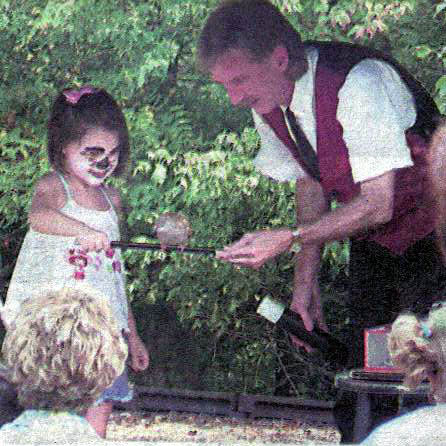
(121,210)
(45,216)
(139,356)
(115,198)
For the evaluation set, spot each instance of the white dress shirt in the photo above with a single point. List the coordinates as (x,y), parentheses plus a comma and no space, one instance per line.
(375,109)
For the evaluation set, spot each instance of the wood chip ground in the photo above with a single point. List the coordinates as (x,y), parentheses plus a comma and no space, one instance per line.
(187,428)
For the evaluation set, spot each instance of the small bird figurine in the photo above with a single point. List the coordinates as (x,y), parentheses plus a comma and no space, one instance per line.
(172,228)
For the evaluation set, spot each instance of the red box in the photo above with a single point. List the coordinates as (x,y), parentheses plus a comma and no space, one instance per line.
(376,354)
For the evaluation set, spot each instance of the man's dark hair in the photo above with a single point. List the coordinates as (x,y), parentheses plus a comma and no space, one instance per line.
(69,122)
(254,25)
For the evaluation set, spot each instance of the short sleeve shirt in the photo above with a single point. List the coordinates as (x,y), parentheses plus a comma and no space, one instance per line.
(375,109)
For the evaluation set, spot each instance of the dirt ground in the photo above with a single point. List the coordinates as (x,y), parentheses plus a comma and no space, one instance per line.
(190,428)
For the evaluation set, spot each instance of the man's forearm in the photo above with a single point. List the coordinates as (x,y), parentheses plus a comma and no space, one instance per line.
(317,224)
(341,223)
(307,262)
(372,207)
(311,205)
(310,201)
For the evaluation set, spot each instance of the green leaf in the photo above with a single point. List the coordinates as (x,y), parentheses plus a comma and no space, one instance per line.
(159,174)
(440,85)
(423,51)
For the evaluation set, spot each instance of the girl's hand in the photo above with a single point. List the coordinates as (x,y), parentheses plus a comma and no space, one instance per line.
(139,356)
(92,240)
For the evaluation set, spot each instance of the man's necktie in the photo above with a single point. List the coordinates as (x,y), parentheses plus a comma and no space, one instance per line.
(306,152)
(299,147)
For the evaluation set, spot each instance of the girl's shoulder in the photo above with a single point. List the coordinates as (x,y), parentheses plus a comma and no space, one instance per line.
(50,180)
(51,187)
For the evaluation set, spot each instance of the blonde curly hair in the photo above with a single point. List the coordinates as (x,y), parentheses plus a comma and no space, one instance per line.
(63,350)
(418,347)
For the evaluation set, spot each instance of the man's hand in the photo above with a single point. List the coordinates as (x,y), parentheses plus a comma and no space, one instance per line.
(308,306)
(255,248)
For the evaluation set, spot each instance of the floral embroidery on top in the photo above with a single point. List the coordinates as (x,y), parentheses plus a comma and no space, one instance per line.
(80,259)
(116,264)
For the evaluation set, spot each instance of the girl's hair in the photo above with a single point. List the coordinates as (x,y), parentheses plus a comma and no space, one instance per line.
(437,178)
(71,118)
(63,350)
(254,25)
(416,346)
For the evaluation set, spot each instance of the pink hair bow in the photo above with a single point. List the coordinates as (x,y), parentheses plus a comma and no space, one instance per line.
(73,96)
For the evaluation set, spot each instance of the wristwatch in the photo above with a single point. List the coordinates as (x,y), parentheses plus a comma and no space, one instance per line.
(296,233)
(295,246)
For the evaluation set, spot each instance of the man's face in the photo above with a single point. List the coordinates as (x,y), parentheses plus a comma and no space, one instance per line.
(261,86)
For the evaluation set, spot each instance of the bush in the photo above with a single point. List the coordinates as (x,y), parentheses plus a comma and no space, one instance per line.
(191,152)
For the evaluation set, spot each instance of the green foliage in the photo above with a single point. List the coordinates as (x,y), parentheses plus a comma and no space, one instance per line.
(222,197)
(191,152)
(22,161)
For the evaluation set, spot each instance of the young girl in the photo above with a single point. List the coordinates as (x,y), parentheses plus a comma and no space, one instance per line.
(74,217)
(418,347)
(62,350)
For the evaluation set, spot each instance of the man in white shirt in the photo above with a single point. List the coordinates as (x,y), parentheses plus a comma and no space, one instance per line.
(368,123)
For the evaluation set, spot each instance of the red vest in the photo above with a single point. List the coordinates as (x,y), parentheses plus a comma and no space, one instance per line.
(411,220)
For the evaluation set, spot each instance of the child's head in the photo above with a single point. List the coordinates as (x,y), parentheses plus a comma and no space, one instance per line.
(418,347)
(76,119)
(63,350)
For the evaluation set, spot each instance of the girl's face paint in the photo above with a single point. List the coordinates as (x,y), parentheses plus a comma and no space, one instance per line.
(103,164)
(94,157)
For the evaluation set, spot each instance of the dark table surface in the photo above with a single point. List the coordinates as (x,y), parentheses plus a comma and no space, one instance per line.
(392,386)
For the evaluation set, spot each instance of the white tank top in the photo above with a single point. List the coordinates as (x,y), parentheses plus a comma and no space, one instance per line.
(51,262)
